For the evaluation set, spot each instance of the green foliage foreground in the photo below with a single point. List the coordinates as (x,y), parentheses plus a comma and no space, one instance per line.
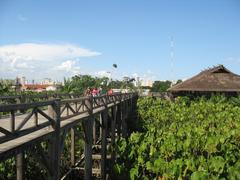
(184,140)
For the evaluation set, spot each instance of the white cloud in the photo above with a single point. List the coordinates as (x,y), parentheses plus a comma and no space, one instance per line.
(32,51)
(103,73)
(42,59)
(68,66)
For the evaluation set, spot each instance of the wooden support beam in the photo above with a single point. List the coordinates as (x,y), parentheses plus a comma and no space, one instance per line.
(104,118)
(54,142)
(113,128)
(94,132)
(35,118)
(101,124)
(121,105)
(73,139)
(124,123)
(19,166)
(12,121)
(88,131)
(119,119)
(62,139)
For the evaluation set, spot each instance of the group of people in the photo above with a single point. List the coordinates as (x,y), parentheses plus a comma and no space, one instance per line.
(97,92)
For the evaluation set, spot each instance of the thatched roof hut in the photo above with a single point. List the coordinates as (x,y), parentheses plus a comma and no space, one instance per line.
(213,80)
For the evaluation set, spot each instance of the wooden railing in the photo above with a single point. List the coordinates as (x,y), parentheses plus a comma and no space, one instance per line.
(47,119)
(27,98)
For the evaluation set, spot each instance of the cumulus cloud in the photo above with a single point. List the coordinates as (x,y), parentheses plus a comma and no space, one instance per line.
(32,52)
(103,73)
(41,58)
(68,66)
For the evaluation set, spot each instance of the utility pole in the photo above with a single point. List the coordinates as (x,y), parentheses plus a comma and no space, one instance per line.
(172,58)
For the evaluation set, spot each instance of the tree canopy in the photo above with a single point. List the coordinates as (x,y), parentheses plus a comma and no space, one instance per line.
(79,83)
(161,86)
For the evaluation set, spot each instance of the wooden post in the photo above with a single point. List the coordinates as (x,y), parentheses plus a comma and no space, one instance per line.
(131,103)
(18,101)
(36,118)
(88,131)
(104,117)
(101,123)
(73,139)
(119,119)
(124,124)
(113,123)
(94,132)
(19,166)
(12,122)
(54,142)
(23,99)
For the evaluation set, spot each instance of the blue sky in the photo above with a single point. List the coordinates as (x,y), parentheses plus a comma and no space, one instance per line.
(61,38)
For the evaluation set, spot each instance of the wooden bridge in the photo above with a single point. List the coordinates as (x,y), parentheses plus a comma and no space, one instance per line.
(25,125)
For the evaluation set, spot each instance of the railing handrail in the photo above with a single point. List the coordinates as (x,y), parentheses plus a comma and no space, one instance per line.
(24,106)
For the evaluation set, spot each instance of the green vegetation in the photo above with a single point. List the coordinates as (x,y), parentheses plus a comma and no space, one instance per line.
(183,140)
(79,83)
(162,86)
(6,87)
(33,167)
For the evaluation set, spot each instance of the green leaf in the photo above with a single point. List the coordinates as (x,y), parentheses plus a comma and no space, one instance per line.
(199,175)
(216,164)
(134,173)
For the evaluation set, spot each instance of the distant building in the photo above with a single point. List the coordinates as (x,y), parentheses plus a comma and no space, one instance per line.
(47,84)
(38,87)
(23,80)
(48,81)
(214,80)
(51,88)
(147,83)
(17,85)
(137,81)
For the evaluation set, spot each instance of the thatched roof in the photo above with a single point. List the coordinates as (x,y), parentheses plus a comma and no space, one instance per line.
(216,79)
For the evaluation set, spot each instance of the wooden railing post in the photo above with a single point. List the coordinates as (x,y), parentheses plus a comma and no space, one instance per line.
(23,99)
(19,156)
(73,139)
(12,122)
(94,132)
(103,117)
(88,131)
(124,124)
(54,141)
(119,119)
(19,166)
(113,127)
(100,129)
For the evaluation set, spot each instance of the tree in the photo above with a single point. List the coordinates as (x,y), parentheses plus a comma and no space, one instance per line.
(179,81)
(78,84)
(6,86)
(160,86)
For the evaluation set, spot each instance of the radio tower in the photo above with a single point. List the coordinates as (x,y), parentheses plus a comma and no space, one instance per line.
(171,58)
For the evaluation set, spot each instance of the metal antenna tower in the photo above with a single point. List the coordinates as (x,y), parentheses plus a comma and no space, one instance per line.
(172,57)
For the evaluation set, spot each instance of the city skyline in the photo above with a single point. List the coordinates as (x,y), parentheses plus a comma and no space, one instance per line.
(60,39)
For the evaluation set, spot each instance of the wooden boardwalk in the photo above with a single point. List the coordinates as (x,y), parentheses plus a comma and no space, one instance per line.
(27,124)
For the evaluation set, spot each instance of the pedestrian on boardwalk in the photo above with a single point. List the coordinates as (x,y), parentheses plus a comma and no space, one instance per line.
(110,92)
